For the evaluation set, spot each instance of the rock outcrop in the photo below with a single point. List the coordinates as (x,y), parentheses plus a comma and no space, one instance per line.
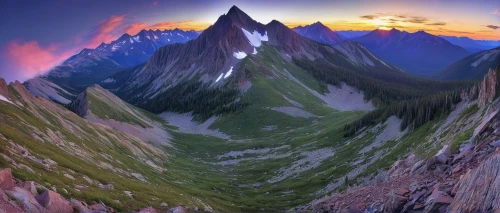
(80,105)
(4,91)
(487,88)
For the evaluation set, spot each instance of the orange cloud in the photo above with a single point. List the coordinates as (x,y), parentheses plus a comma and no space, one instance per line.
(29,59)
(103,31)
(135,28)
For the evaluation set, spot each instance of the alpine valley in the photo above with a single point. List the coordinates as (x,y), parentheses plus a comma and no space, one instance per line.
(251,117)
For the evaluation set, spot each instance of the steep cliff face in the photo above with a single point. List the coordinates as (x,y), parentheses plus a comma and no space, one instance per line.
(80,105)
(487,88)
(3,88)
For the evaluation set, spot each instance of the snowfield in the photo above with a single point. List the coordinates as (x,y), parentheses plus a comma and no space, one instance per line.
(228,73)
(5,99)
(255,38)
(239,55)
(220,76)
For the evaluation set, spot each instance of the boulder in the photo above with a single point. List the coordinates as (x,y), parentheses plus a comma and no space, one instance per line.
(29,186)
(443,154)
(148,210)
(440,158)
(163,204)
(26,200)
(396,202)
(6,181)
(7,205)
(438,201)
(178,209)
(54,202)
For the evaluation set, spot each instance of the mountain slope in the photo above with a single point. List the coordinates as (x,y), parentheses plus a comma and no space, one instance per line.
(319,32)
(101,106)
(91,66)
(472,67)
(418,53)
(43,88)
(47,143)
(214,60)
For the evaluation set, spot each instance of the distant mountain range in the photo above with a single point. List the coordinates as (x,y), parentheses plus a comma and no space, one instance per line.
(471,45)
(91,66)
(419,53)
(472,67)
(351,34)
(355,51)
(319,33)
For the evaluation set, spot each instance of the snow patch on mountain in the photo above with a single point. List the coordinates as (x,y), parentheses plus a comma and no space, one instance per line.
(136,38)
(228,73)
(254,51)
(220,76)
(489,55)
(239,55)
(255,38)
(109,80)
(5,99)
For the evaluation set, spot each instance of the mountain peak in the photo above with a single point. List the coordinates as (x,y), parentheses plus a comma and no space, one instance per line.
(234,9)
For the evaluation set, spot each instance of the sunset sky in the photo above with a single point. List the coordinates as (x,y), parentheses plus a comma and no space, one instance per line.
(37,35)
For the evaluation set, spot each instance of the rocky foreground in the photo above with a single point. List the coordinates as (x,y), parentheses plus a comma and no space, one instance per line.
(467,181)
(17,196)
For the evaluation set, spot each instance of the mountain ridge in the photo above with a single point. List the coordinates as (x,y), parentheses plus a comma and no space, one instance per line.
(419,53)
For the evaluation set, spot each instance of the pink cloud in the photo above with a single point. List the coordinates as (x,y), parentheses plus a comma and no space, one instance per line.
(29,59)
(496,12)
(22,60)
(103,32)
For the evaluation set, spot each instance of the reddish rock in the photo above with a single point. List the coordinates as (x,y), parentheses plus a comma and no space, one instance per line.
(6,205)
(26,200)
(4,91)
(402,192)
(54,202)
(6,179)
(487,89)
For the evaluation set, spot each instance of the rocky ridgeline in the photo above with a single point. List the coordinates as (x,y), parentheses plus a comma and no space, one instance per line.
(487,89)
(484,91)
(18,197)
